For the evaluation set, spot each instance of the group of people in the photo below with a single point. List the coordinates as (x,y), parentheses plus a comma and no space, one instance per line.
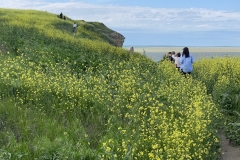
(61,16)
(74,25)
(182,61)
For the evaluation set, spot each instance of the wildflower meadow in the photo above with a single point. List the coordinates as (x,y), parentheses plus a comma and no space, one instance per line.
(65,96)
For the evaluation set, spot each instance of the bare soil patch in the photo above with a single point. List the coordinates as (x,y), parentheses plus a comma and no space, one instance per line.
(228,150)
(3,48)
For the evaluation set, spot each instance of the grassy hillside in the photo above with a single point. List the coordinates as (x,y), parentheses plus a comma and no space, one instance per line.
(79,97)
(38,20)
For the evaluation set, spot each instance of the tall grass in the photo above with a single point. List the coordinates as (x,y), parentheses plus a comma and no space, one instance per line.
(221,76)
(66,97)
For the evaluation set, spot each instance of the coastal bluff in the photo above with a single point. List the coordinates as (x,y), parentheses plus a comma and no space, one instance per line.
(23,23)
(106,34)
(117,38)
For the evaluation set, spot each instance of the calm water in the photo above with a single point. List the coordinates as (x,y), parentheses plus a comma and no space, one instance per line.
(156,53)
(196,55)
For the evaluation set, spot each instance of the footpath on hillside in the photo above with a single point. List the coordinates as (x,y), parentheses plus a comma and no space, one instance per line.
(228,151)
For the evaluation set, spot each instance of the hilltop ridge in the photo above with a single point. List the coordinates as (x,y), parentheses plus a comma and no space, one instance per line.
(41,35)
(95,31)
(112,37)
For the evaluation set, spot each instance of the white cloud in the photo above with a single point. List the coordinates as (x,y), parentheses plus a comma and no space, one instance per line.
(143,18)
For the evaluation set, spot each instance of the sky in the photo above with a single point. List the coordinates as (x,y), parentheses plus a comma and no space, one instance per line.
(153,22)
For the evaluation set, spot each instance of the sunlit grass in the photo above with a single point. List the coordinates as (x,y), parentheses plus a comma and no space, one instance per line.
(221,76)
(66,97)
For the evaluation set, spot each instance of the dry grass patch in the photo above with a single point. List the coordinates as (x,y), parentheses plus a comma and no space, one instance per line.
(3,48)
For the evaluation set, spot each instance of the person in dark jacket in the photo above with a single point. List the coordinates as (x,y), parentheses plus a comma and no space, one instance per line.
(61,15)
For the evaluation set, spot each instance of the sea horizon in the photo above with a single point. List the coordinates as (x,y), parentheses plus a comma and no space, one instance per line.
(174,46)
(156,53)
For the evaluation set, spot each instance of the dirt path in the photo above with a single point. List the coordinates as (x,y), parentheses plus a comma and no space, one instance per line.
(228,151)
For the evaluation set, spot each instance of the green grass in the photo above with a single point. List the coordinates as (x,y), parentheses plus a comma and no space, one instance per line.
(222,81)
(66,96)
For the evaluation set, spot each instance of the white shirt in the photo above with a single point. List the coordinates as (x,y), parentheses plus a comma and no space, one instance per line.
(177,61)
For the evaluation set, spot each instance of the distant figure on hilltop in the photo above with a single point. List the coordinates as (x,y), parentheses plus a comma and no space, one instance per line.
(186,61)
(131,50)
(61,15)
(64,18)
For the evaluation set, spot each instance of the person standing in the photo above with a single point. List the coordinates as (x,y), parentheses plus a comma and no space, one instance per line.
(177,60)
(74,26)
(131,50)
(173,57)
(169,56)
(61,15)
(186,61)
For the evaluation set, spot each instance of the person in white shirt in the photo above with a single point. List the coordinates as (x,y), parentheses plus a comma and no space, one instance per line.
(177,60)
(74,27)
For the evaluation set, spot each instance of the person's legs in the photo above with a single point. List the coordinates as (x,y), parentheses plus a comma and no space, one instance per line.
(186,73)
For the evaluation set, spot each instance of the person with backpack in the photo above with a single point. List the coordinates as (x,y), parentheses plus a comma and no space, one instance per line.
(186,61)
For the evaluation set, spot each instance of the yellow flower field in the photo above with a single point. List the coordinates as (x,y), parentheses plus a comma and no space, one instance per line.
(66,97)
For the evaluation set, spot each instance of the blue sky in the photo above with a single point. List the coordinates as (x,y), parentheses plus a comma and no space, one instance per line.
(153,22)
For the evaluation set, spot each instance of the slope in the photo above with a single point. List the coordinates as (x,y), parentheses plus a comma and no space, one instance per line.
(79,97)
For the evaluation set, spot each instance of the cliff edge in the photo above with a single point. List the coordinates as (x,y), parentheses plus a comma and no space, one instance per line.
(106,34)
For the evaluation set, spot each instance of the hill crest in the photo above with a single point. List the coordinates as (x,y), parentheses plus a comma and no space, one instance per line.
(85,30)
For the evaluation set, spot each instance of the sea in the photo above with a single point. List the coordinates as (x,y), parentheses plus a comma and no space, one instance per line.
(156,53)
